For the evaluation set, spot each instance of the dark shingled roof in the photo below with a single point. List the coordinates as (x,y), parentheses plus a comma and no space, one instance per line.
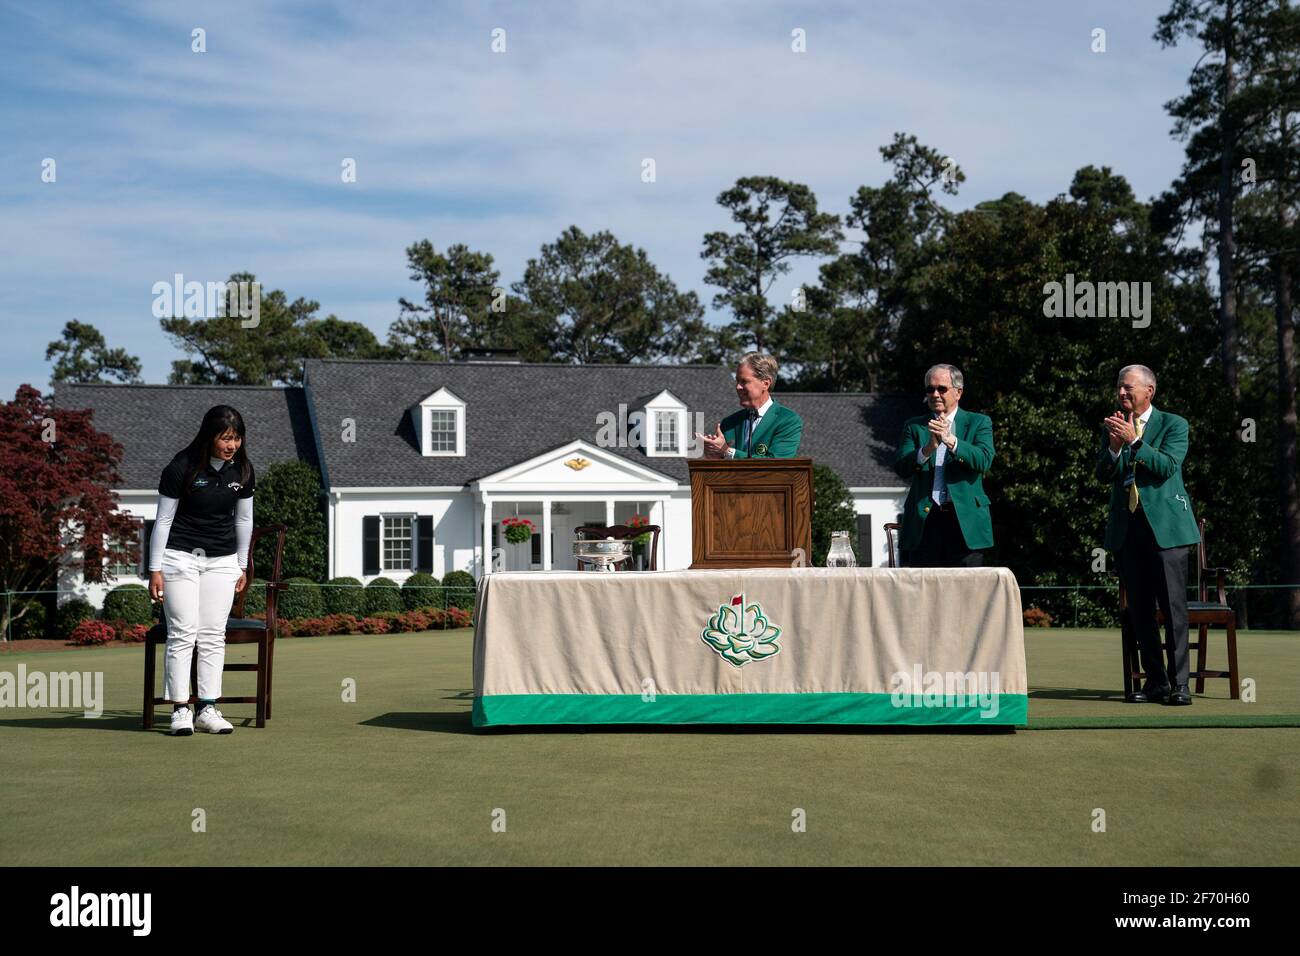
(154,422)
(515,411)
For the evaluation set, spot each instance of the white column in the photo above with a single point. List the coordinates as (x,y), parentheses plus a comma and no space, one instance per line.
(487,535)
(333,507)
(658,512)
(546,534)
(609,512)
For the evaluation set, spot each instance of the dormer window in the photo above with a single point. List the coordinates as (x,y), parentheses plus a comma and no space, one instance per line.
(665,426)
(441,421)
(666,440)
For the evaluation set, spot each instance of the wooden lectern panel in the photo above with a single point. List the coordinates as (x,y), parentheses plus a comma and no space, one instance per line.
(752,513)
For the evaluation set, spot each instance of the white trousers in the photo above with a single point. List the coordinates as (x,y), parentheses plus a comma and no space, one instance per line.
(198,592)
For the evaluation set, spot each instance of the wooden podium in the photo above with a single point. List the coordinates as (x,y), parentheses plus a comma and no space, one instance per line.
(750,513)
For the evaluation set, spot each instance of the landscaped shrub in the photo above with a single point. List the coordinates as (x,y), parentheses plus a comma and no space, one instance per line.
(382,594)
(73,613)
(310,627)
(1037,617)
(31,625)
(420,590)
(342,624)
(415,620)
(302,599)
(459,587)
(255,599)
(133,633)
(374,625)
(91,632)
(129,603)
(344,596)
(458,617)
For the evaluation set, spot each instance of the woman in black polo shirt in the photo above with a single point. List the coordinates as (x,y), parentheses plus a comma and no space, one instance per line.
(198,554)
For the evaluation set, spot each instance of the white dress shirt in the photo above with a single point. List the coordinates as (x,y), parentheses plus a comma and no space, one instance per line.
(940,491)
(762,410)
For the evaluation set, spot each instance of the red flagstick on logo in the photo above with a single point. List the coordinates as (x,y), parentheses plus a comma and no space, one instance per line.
(739,601)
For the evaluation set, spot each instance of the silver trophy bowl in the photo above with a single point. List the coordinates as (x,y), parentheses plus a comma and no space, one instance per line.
(603,554)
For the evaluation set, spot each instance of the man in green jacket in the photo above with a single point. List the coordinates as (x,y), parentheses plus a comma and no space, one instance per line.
(1151,524)
(763,428)
(944,456)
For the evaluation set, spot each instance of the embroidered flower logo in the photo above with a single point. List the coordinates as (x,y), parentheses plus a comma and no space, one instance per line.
(761,449)
(741,633)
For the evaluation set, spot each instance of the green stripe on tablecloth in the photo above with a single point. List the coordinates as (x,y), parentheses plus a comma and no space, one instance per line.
(517,709)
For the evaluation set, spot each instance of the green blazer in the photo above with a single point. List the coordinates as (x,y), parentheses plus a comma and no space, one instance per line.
(1159,464)
(777,435)
(963,470)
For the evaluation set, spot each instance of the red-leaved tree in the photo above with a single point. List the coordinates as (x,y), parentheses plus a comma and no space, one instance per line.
(57,474)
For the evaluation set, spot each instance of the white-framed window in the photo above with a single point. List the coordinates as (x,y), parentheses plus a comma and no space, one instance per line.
(440,421)
(666,435)
(442,430)
(116,566)
(395,542)
(666,426)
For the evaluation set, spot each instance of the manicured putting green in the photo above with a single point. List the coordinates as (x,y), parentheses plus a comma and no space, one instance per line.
(400,776)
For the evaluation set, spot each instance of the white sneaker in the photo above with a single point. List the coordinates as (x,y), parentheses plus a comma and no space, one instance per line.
(210,721)
(182,722)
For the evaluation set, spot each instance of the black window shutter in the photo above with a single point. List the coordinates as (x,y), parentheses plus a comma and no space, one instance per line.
(424,544)
(370,544)
(864,541)
(146,534)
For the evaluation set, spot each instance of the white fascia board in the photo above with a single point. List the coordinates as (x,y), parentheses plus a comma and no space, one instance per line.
(399,490)
(578,446)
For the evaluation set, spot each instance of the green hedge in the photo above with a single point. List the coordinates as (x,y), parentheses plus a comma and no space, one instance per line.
(255,599)
(32,624)
(71,614)
(129,603)
(302,599)
(344,596)
(459,590)
(383,594)
(421,590)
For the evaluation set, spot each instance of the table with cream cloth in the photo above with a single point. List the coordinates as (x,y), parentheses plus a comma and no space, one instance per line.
(909,646)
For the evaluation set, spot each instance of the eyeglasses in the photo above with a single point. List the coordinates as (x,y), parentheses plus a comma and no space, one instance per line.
(941,389)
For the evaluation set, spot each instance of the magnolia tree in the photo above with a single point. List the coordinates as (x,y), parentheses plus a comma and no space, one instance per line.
(57,473)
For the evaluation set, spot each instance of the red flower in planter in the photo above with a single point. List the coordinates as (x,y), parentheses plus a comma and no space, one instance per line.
(518,530)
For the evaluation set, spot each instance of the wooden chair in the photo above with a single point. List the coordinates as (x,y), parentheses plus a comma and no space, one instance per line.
(892,529)
(239,630)
(622,532)
(1202,614)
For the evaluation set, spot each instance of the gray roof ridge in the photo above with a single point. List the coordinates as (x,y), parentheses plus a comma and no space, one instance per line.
(262,388)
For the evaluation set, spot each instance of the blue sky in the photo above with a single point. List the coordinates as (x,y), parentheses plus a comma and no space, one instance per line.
(206,164)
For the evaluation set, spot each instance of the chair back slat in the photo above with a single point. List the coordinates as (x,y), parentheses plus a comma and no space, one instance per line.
(279,531)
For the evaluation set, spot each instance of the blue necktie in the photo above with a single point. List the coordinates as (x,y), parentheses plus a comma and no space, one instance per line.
(749,428)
